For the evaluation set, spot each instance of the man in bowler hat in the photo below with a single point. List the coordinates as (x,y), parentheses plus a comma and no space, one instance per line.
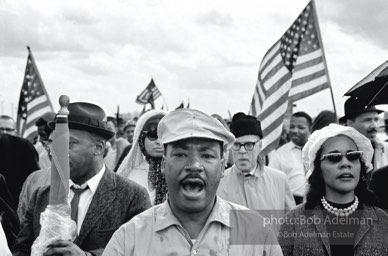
(106,201)
(365,120)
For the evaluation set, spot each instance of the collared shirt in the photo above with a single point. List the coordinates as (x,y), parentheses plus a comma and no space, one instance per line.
(86,197)
(288,158)
(157,231)
(266,189)
(380,157)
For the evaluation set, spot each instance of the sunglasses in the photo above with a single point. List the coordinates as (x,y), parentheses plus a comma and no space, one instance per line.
(152,135)
(337,157)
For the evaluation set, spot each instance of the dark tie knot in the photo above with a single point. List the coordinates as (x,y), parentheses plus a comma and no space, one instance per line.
(78,191)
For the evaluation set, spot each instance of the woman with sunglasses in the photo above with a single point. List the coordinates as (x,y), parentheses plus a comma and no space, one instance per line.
(143,162)
(339,216)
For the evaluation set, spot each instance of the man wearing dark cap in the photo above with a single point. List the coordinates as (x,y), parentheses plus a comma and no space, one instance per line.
(194,220)
(288,158)
(44,132)
(365,120)
(105,200)
(248,182)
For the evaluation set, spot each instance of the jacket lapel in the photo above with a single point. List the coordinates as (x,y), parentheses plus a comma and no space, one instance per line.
(101,201)
(321,228)
(368,213)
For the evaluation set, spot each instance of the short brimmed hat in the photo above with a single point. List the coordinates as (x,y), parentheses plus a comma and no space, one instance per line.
(318,137)
(243,124)
(190,123)
(354,107)
(87,117)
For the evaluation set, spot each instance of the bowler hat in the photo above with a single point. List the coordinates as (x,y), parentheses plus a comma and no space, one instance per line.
(87,117)
(354,107)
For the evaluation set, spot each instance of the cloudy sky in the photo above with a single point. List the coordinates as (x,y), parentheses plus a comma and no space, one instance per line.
(205,52)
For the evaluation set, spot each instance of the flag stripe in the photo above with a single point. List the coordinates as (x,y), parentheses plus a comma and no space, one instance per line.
(33,101)
(293,68)
(149,94)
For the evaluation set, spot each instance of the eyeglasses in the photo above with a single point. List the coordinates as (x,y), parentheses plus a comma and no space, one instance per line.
(247,145)
(6,130)
(337,157)
(152,135)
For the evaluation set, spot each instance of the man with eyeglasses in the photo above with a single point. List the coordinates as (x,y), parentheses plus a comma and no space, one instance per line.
(7,125)
(248,182)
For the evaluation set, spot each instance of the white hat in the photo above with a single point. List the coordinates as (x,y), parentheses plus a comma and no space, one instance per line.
(318,137)
(190,123)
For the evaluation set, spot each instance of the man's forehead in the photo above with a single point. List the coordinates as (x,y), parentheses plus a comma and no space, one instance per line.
(199,142)
(7,123)
(248,138)
(299,119)
(367,115)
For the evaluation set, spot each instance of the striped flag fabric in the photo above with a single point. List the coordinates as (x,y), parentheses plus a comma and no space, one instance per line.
(292,69)
(149,95)
(33,102)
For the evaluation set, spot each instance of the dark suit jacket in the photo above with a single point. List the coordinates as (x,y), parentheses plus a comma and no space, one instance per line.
(9,218)
(18,158)
(115,202)
(379,186)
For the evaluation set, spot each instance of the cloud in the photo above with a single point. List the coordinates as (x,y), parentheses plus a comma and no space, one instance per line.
(362,19)
(214,17)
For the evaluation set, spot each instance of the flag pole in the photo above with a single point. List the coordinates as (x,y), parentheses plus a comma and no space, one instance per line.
(323,53)
(39,77)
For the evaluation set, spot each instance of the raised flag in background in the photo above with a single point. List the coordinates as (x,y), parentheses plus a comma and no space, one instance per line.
(33,102)
(293,68)
(149,95)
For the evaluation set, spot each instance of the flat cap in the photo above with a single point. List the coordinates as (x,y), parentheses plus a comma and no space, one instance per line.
(186,123)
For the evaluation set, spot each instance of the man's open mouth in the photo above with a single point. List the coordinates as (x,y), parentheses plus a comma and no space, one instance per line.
(193,186)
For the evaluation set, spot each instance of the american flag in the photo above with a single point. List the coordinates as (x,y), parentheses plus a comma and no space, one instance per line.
(149,95)
(293,68)
(33,102)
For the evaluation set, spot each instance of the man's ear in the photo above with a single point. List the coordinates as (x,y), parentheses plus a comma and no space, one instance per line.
(163,165)
(223,164)
(99,147)
(260,144)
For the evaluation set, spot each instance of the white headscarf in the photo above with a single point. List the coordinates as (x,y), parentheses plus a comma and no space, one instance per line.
(135,157)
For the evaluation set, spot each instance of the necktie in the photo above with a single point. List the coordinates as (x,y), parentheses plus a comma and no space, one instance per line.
(75,201)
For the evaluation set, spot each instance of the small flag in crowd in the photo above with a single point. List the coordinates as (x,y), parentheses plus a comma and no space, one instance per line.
(293,68)
(149,95)
(33,102)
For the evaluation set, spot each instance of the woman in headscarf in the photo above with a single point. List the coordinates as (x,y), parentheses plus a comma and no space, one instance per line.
(143,162)
(339,216)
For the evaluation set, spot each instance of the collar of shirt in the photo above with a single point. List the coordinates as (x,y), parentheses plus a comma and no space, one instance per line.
(164,217)
(296,146)
(257,172)
(92,183)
